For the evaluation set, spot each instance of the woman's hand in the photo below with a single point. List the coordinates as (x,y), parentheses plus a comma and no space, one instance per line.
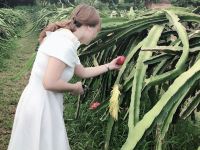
(78,89)
(113,65)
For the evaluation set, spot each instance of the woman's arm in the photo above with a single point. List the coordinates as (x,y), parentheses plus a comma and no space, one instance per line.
(52,80)
(88,72)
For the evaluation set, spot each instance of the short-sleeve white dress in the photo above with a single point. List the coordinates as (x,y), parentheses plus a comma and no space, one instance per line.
(39,123)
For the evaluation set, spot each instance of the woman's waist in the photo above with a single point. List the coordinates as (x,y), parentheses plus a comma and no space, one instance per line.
(35,78)
(36,81)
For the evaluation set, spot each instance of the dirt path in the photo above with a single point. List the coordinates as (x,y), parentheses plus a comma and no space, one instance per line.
(10,91)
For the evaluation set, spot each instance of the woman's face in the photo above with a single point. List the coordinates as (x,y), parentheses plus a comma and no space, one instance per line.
(90,33)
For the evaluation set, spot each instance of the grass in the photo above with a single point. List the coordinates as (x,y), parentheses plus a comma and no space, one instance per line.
(22,49)
(185,135)
(85,131)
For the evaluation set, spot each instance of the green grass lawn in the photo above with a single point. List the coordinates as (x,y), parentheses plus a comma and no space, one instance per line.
(10,91)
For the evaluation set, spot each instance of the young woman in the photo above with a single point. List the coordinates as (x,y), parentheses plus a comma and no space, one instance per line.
(39,123)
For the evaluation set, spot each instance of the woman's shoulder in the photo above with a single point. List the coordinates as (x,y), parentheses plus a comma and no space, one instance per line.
(59,38)
(68,35)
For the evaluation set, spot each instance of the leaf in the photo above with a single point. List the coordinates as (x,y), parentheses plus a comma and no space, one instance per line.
(179,88)
(190,106)
(137,85)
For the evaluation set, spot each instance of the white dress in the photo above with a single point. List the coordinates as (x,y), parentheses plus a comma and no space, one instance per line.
(39,123)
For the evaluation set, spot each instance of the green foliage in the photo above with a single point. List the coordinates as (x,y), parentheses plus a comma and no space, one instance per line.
(10,22)
(119,37)
(49,15)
